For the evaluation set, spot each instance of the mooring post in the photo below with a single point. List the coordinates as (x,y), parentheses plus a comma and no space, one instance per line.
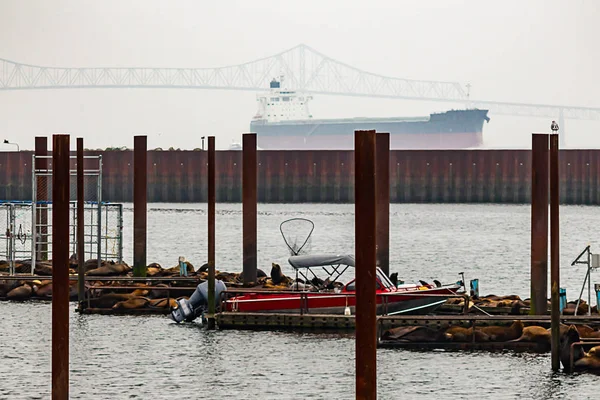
(211,232)
(365,217)
(60,266)
(41,162)
(140,205)
(249,207)
(383,201)
(539,224)
(80,225)
(554,252)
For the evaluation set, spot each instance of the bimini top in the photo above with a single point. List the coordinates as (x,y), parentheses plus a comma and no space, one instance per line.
(320,260)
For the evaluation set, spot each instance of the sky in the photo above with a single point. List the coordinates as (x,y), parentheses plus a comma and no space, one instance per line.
(518,51)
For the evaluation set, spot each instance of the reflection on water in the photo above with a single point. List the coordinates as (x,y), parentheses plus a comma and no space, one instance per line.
(152,357)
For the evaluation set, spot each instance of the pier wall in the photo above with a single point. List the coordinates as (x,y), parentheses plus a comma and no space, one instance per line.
(416,176)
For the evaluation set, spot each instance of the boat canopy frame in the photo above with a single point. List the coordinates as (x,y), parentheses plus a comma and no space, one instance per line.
(338,263)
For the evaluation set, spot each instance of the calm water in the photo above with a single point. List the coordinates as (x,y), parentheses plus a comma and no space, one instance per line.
(150,357)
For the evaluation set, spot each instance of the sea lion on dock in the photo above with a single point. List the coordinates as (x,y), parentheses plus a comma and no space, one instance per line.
(590,360)
(44,289)
(108,300)
(570,336)
(154,269)
(461,334)
(203,268)
(159,293)
(43,268)
(571,306)
(6,286)
(132,303)
(416,334)
(535,334)
(4,266)
(162,303)
(109,270)
(20,293)
(502,333)
(259,274)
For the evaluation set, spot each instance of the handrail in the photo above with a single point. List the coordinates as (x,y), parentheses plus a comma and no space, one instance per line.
(581,344)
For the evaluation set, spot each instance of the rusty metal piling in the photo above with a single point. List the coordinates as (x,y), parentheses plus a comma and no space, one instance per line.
(365,215)
(211,232)
(80,224)
(140,205)
(554,252)
(383,201)
(249,207)
(60,266)
(41,163)
(539,224)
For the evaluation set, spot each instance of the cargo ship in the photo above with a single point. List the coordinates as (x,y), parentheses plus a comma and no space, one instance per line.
(283,122)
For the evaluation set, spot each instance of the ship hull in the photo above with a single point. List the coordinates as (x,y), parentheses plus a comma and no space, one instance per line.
(457,129)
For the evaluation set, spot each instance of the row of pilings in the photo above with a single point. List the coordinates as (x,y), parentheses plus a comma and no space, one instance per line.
(370,179)
(444,176)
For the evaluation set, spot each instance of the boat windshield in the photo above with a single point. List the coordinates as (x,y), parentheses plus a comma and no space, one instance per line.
(385,281)
(382,282)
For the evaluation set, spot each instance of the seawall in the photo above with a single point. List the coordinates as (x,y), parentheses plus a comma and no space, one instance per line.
(417,176)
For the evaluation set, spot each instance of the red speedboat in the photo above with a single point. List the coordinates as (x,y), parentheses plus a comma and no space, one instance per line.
(330,297)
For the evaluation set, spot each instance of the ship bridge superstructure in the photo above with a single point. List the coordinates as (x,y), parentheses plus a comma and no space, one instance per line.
(282,104)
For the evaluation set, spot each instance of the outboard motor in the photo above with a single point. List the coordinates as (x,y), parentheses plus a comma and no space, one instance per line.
(191,309)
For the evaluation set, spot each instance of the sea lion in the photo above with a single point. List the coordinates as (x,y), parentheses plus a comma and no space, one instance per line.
(108,300)
(44,289)
(535,334)
(162,303)
(503,333)
(139,292)
(4,266)
(416,334)
(20,293)
(394,279)
(590,360)
(571,336)
(571,306)
(154,269)
(132,303)
(203,268)
(259,274)
(586,331)
(461,334)
(6,286)
(109,270)
(276,275)
(158,293)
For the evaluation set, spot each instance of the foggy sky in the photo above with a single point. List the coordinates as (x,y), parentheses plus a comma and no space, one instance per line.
(519,51)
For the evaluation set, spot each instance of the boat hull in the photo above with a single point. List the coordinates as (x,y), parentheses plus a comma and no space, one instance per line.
(456,129)
(414,303)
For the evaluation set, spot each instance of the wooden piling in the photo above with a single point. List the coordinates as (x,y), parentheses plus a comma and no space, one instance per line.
(140,205)
(41,151)
(60,266)
(383,201)
(365,216)
(80,224)
(249,206)
(539,224)
(211,232)
(554,252)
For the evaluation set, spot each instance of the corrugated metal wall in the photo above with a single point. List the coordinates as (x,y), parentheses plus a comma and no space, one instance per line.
(417,176)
